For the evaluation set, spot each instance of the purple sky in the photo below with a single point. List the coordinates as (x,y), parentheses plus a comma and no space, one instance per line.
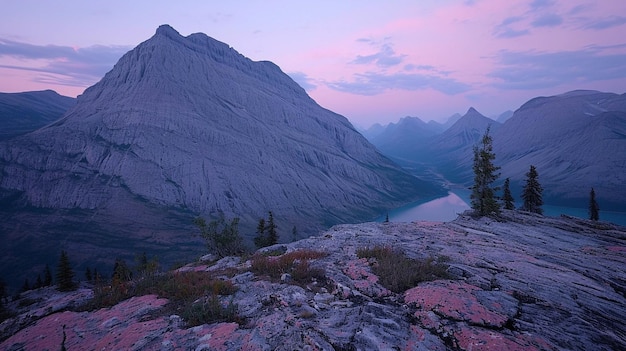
(371,61)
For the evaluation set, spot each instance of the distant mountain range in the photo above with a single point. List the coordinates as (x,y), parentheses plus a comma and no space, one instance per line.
(181,127)
(576,140)
(21,113)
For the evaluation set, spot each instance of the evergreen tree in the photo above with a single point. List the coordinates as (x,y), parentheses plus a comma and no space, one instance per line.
(25,286)
(88,274)
(65,274)
(96,276)
(594,209)
(531,194)
(387,218)
(483,198)
(507,197)
(272,235)
(294,234)
(39,282)
(260,240)
(47,280)
(121,271)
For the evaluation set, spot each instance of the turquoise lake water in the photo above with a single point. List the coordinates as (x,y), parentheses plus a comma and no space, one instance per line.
(447,208)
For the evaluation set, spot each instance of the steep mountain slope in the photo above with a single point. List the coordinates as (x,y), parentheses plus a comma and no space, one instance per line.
(451,151)
(186,125)
(401,139)
(576,140)
(424,151)
(21,113)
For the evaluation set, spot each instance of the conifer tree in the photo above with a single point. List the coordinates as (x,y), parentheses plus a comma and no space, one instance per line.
(260,240)
(121,271)
(594,209)
(88,275)
(25,286)
(507,197)
(47,280)
(294,234)
(65,274)
(39,282)
(531,193)
(483,198)
(272,235)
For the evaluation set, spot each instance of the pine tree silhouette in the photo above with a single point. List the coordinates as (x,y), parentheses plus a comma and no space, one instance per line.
(47,280)
(594,209)
(483,198)
(260,240)
(272,235)
(65,274)
(532,192)
(507,197)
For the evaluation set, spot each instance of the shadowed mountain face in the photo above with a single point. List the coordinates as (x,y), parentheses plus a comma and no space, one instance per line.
(183,126)
(21,113)
(576,141)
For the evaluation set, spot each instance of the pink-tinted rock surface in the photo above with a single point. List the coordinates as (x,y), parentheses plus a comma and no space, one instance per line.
(528,283)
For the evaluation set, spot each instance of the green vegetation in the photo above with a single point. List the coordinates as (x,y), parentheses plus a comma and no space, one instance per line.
(192,295)
(222,237)
(399,273)
(65,274)
(483,198)
(507,197)
(594,208)
(531,193)
(266,234)
(295,263)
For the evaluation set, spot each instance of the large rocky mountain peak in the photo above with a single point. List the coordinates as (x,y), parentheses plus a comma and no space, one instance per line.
(189,123)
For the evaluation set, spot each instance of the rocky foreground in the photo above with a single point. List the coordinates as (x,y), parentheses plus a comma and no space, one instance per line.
(530,283)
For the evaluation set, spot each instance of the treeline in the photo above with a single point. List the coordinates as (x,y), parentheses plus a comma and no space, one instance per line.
(485,202)
(223,238)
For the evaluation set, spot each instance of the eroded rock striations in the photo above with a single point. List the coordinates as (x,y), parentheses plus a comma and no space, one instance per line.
(183,126)
(530,283)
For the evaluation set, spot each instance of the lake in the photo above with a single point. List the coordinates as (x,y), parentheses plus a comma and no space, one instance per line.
(457,201)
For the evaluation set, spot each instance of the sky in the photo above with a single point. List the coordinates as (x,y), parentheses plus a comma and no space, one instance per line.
(371,61)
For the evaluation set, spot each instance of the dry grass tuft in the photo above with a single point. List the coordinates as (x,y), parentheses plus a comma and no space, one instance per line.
(399,273)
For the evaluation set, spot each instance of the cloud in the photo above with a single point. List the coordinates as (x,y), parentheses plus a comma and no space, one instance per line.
(534,70)
(547,20)
(63,64)
(606,22)
(303,80)
(386,57)
(504,29)
(372,83)
(540,4)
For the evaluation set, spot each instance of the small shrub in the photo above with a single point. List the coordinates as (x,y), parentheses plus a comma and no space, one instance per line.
(209,310)
(295,263)
(399,273)
(181,289)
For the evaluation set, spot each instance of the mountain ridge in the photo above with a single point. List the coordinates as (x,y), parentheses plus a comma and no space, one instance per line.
(187,126)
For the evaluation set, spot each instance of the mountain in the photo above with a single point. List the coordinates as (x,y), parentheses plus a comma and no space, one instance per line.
(576,141)
(21,113)
(400,139)
(526,282)
(450,153)
(504,116)
(424,151)
(181,127)
(373,131)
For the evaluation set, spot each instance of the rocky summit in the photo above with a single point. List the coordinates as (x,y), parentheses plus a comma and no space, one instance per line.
(524,283)
(182,127)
